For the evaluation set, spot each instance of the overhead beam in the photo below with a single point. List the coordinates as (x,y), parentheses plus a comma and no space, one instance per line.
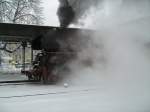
(6,38)
(19,32)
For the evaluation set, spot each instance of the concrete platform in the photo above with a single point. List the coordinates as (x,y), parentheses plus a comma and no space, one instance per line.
(12,76)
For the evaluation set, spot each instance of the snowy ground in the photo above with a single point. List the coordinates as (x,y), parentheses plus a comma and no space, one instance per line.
(56,98)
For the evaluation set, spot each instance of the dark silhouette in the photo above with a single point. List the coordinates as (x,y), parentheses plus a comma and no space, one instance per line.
(65,13)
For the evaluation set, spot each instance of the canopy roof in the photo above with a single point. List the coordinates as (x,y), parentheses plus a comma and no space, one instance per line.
(20,32)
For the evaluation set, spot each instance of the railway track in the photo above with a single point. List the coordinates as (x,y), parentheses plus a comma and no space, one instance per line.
(17,82)
(49,93)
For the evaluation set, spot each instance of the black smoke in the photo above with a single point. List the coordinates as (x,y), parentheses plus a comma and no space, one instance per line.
(65,13)
(81,7)
(70,11)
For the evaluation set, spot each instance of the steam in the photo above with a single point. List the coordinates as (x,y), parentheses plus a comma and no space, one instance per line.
(119,55)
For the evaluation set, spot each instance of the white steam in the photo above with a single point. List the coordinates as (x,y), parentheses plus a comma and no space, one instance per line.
(119,54)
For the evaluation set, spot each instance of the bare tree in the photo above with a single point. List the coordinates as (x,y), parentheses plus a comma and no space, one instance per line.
(22,12)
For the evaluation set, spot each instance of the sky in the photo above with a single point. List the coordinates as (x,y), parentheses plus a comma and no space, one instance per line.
(49,12)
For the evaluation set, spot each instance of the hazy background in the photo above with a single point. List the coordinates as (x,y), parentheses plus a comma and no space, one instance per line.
(49,12)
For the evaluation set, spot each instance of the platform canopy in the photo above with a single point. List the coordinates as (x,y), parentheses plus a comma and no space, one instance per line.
(20,32)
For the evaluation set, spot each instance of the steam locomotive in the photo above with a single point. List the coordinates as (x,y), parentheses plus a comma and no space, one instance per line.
(57,48)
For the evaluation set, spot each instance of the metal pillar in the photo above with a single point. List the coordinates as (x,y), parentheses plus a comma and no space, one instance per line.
(24,44)
(31,55)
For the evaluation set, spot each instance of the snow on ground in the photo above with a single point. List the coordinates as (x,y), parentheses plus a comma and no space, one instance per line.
(78,97)
(92,100)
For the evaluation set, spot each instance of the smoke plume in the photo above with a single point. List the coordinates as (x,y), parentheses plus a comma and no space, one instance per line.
(70,11)
(65,13)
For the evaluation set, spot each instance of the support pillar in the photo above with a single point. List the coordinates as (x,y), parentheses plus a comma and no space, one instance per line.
(24,44)
(31,55)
